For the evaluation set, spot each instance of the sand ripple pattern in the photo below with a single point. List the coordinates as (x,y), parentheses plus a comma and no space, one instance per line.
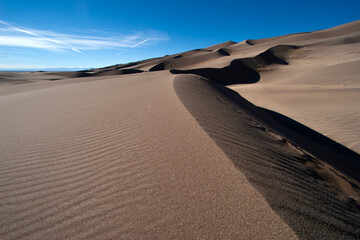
(119,158)
(59,170)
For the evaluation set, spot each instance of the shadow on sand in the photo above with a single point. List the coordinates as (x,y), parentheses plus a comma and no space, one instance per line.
(278,171)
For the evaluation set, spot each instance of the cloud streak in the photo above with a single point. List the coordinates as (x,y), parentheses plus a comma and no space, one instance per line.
(140,43)
(14,36)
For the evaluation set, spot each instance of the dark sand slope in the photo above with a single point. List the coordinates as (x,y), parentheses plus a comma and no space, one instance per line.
(316,203)
(243,70)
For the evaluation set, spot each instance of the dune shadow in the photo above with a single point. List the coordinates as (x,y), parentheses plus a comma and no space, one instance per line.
(240,71)
(113,72)
(236,73)
(322,147)
(278,171)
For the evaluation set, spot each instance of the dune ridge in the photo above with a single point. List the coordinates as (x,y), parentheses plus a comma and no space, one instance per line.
(256,139)
(240,71)
(281,173)
(119,158)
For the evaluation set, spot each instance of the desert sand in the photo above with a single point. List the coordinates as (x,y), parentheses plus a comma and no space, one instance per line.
(251,140)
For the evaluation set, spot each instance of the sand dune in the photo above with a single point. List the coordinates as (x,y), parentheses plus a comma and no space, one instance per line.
(120,158)
(282,173)
(240,70)
(135,151)
(319,87)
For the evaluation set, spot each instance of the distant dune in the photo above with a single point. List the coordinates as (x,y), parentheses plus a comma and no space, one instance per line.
(252,140)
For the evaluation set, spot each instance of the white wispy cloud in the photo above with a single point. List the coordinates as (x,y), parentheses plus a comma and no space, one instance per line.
(140,43)
(15,36)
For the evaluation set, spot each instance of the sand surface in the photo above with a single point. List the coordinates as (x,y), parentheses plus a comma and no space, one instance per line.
(120,158)
(135,151)
(319,88)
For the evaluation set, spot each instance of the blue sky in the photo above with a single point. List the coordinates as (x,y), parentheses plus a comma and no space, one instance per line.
(38,34)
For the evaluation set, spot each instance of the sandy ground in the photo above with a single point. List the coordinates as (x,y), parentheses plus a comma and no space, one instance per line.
(135,151)
(319,88)
(119,158)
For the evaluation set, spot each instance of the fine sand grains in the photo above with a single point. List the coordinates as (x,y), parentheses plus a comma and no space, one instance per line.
(119,158)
